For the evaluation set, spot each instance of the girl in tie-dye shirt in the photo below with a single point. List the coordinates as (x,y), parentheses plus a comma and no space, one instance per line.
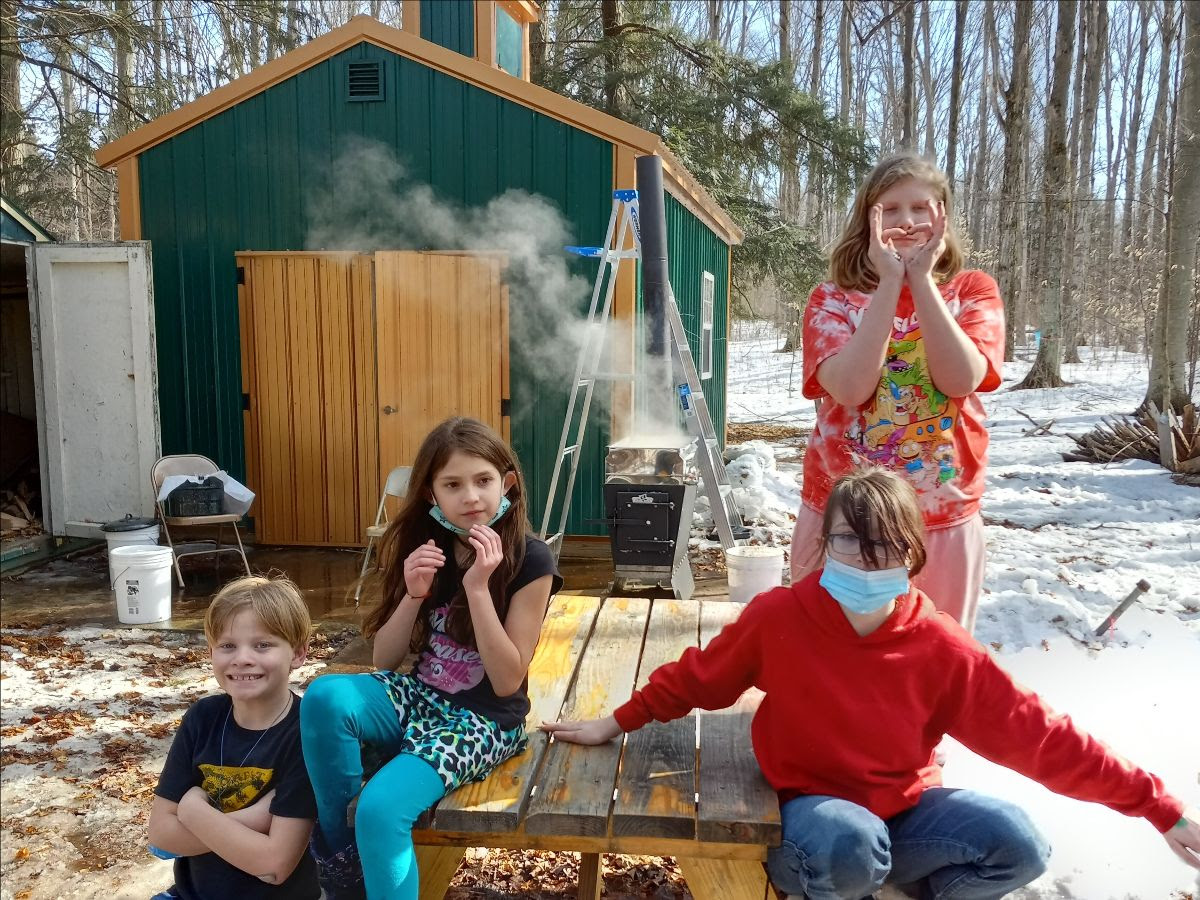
(897,347)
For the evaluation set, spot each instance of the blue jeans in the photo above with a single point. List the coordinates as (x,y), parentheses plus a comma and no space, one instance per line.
(953,843)
(337,715)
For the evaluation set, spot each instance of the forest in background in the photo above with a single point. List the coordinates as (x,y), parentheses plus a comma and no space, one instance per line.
(1070,130)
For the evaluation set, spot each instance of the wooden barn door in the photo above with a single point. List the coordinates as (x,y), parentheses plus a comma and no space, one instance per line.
(348,360)
(442,321)
(308,380)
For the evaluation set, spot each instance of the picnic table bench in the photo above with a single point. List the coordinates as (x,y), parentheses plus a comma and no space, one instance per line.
(689,788)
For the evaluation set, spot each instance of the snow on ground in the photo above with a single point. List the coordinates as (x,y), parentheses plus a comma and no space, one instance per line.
(1066,542)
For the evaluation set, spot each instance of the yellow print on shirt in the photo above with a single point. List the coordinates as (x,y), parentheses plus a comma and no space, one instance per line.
(910,425)
(234,787)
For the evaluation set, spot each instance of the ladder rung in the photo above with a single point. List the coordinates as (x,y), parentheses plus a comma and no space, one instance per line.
(615,376)
(569,450)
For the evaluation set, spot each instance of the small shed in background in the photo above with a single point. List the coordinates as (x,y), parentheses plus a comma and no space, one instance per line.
(308,373)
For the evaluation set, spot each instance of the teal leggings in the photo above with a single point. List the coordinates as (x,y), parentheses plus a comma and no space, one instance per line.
(338,714)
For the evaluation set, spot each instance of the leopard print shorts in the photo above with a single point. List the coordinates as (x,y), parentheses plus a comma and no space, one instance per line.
(461,745)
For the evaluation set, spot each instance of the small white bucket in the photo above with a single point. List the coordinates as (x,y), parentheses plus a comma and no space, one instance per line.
(141,583)
(752,570)
(137,537)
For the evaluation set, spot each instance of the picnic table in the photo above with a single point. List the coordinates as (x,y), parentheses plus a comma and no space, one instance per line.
(689,788)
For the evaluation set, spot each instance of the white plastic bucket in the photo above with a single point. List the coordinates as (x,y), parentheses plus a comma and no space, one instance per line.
(136,537)
(752,570)
(141,582)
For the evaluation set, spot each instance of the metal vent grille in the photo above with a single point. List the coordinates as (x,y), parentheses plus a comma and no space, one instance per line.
(364,81)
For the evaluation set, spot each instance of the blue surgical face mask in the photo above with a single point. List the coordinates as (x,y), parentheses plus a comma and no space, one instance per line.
(863,590)
(440,517)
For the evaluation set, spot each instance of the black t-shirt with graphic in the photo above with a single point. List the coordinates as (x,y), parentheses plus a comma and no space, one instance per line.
(234,773)
(456,671)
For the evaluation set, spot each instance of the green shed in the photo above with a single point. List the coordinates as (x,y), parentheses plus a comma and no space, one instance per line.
(295,368)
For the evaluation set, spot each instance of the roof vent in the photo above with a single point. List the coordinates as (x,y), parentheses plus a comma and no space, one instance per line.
(364,81)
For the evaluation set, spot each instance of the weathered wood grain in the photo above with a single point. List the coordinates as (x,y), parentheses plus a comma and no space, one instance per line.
(656,790)
(575,787)
(497,803)
(736,803)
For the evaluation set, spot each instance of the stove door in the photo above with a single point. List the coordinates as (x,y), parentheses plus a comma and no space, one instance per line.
(644,522)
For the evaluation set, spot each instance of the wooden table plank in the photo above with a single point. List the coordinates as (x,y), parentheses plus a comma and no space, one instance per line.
(497,803)
(736,803)
(575,787)
(724,879)
(656,790)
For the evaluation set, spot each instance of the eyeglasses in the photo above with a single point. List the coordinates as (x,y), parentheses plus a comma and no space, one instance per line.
(848,543)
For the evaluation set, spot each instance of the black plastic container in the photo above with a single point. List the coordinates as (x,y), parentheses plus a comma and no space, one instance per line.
(193,499)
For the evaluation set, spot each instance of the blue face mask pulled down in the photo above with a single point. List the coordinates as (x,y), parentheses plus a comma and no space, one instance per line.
(860,590)
(440,517)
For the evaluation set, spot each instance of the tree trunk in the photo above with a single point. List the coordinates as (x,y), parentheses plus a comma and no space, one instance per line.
(789,176)
(1055,186)
(1070,297)
(979,167)
(714,20)
(813,201)
(1169,357)
(1012,192)
(1097,30)
(927,83)
(960,24)
(1145,214)
(609,18)
(908,132)
(1135,128)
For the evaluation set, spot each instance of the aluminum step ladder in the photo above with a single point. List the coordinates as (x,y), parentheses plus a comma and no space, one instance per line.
(623,221)
(725,513)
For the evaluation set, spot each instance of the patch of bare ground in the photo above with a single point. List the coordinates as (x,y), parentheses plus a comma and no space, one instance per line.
(789,437)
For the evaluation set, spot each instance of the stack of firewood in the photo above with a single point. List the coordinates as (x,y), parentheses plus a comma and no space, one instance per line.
(1171,440)
(18,504)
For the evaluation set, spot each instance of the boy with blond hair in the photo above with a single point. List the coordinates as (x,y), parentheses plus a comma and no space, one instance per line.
(233,805)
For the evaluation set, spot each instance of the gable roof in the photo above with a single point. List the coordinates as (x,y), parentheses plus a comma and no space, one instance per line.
(18,225)
(677,179)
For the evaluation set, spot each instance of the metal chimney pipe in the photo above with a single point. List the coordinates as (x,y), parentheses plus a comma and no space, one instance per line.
(655,272)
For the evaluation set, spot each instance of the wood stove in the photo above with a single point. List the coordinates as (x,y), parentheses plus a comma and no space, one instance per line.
(649,497)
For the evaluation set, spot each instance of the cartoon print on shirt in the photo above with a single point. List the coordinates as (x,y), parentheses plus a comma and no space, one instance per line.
(234,787)
(910,424)
(447,665)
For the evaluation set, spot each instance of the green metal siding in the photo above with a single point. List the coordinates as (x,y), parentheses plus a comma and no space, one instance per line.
(692,250)
(450,24)
(238,181)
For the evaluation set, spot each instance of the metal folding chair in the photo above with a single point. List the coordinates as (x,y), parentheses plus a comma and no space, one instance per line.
(396,485)
(193,464)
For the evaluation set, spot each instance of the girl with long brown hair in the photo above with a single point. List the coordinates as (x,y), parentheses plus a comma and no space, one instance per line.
(898,344)
(465,587)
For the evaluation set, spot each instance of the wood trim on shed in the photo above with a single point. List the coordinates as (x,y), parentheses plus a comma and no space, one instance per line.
(410,17)
(485,32)
(363,28)
(129,199)
(524,11)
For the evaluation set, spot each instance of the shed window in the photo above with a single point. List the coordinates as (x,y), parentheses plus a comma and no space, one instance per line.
(510,43)
(707,286)
(364,81)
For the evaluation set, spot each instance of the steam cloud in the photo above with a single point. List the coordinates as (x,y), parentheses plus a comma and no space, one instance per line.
(369,203)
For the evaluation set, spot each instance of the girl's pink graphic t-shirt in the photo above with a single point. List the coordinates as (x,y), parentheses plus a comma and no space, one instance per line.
(937,442)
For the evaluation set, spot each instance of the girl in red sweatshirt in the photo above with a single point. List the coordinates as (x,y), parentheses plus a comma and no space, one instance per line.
(852,759)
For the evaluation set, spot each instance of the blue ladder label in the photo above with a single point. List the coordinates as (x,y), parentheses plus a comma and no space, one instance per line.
(685,398)
(625,196)
(585,251)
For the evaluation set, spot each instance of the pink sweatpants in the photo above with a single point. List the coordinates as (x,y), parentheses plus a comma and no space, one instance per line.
(954,562)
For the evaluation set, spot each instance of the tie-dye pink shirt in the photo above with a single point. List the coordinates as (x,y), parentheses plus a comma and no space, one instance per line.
(938,443)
